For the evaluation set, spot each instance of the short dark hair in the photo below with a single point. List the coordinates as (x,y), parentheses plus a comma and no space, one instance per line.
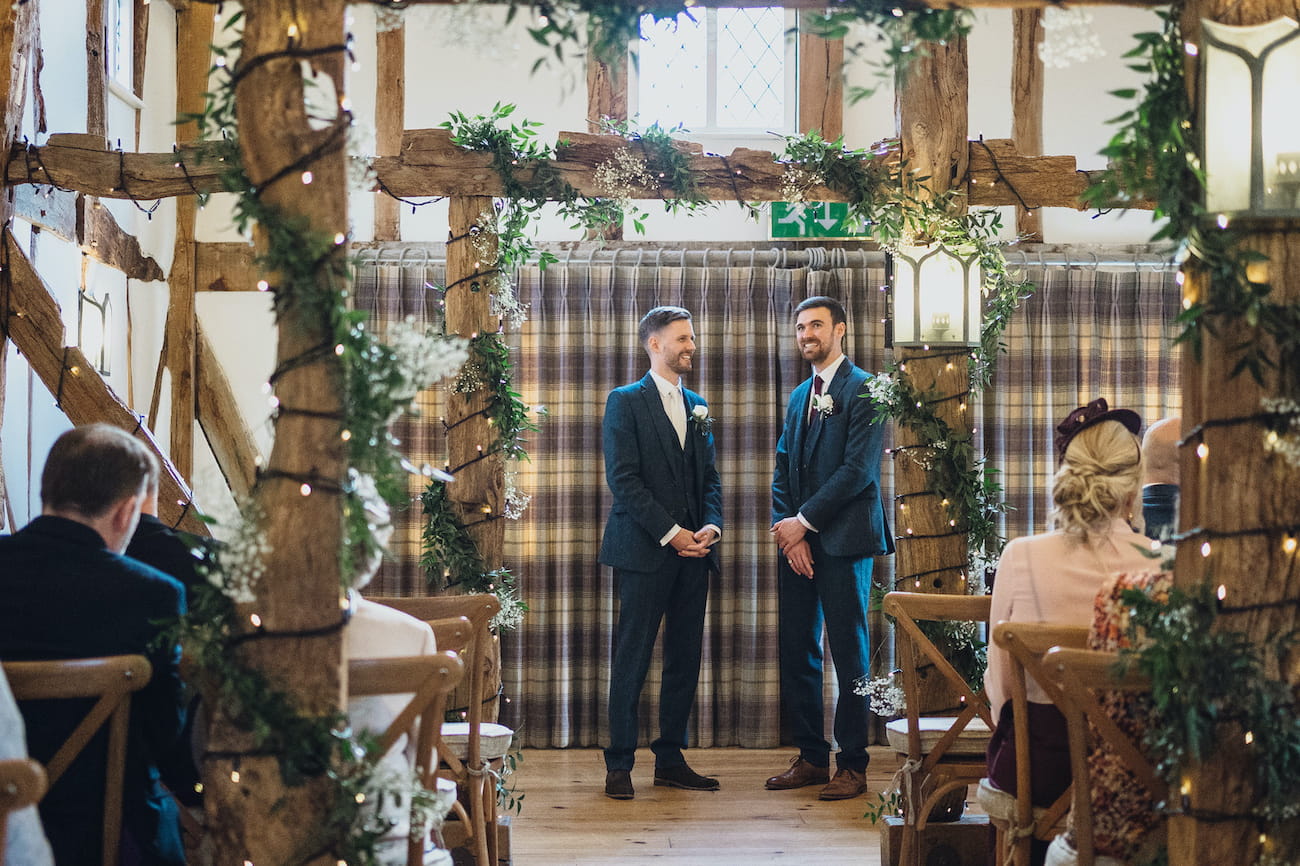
(90,468)
(836,308)
(659,318)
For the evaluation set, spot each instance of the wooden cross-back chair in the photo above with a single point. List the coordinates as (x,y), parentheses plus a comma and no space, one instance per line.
(22,784)
(473,751)
(111,681)
(945,752)
(428,680)
(1015,817)
(1082,675)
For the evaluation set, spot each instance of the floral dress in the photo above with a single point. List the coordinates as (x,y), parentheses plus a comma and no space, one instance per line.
(1125,822)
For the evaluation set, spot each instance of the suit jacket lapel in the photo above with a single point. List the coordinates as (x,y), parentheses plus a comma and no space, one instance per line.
(663,427)
(834,391)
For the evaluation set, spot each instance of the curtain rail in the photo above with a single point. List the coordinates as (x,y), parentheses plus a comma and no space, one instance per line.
(817,258)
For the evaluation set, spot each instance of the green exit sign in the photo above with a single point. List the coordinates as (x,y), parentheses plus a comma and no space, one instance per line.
(814,220)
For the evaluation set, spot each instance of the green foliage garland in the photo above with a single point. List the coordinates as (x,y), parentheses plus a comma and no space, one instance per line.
(1154,155)
(1208,683)
(489,368)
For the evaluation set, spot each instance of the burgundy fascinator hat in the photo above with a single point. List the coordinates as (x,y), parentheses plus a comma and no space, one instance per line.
(1086,416)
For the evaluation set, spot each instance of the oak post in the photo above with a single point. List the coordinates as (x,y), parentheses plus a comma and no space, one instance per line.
(390,106)
(1027,104)
(255,815)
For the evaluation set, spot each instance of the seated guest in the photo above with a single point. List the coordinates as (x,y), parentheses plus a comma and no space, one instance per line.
(1160,478)
(70,593)
(168,550)
(1054,577)
(377,631)
(25,843)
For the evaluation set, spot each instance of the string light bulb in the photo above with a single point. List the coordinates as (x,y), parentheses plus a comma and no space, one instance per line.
(307,178)
(305,490)
(1205,549)
(1289,544)
(1202,451)
(255,620)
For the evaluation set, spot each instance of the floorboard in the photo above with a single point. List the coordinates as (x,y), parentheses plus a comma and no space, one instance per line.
(567,819)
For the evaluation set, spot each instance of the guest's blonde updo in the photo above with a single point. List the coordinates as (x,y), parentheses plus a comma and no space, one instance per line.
(1098,479)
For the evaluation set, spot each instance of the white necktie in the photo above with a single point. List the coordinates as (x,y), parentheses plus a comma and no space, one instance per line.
(675,405)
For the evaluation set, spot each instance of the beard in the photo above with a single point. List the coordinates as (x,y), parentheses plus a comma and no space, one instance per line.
(680,363)
(815,352)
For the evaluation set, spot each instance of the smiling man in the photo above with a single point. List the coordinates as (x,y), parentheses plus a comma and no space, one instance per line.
(828,521)
(666,517)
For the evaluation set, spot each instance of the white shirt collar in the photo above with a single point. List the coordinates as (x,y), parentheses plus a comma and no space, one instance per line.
(666,388)
(828,373)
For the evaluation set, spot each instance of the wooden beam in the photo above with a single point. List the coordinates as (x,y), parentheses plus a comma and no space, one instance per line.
(390,120)
(225,267)
(37,330)
(101,238)
(1027,103)
(262,819)
(223,423)
(68,161)
(179,356)
(431,165)
(96,71)
(821,83)
(139,52)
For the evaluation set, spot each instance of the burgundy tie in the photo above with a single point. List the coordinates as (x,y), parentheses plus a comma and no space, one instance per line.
(817,392)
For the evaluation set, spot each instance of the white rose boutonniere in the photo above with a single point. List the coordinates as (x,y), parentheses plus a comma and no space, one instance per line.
(823,404)
(700,418)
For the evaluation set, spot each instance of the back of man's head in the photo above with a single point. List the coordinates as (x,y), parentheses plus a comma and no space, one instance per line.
(1160,451)
(93,467)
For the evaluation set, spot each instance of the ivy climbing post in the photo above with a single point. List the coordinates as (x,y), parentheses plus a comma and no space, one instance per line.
(1238,518)
(256,811)
(932,550)
(478,493)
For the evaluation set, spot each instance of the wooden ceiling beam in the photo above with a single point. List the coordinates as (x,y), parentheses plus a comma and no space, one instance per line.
(430,164)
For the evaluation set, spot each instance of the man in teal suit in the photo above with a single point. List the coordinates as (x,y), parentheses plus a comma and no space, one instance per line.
(828,520)
(666,517)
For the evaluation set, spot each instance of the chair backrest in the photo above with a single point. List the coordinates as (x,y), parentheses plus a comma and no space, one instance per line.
(1081,676)
(917,651)
(22,784)
(428,680)
(1026,643)
(110,680)
(453,633)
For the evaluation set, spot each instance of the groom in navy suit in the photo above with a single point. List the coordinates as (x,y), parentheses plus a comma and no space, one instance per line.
(666,517)
(828,521)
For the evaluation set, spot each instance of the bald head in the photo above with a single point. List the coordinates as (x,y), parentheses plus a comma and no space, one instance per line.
(1160,451)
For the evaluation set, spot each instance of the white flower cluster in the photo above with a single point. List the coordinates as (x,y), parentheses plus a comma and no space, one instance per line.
(511,615)
(423,357)
(516,500)
(623,176)
(1068,37)
(483,239)
(797,181)
(504,302)
(883,694)
(1286,442)
(883,390)
(239,562)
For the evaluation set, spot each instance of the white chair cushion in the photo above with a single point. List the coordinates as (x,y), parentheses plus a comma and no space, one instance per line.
(1062,853)
(973,740)
(493,740)
(998,804)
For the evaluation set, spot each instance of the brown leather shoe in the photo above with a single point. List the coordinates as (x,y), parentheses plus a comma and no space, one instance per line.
(846,785)
(800,774)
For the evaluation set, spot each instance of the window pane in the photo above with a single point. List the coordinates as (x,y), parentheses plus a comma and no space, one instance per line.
(751,68)
(672,73)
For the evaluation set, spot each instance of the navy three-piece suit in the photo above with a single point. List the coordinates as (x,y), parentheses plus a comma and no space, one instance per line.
(828,470)
(656,483)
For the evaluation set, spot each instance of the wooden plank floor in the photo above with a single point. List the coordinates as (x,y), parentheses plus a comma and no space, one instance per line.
(567,819)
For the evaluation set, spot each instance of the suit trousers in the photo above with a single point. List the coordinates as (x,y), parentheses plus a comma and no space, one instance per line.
(836,599)
(676,597)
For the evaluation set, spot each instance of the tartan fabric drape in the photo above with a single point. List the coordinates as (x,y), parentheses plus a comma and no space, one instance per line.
(1085,333)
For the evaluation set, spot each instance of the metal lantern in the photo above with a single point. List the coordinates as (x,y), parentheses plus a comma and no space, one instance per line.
(936,297)
(1251,139)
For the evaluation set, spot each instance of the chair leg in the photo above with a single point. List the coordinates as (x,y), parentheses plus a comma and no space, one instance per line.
(479,819)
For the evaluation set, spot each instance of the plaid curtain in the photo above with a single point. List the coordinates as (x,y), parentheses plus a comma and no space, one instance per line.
(1086,332)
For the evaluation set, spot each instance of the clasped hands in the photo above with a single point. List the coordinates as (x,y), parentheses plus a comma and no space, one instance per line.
(789,535)
(693,544)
